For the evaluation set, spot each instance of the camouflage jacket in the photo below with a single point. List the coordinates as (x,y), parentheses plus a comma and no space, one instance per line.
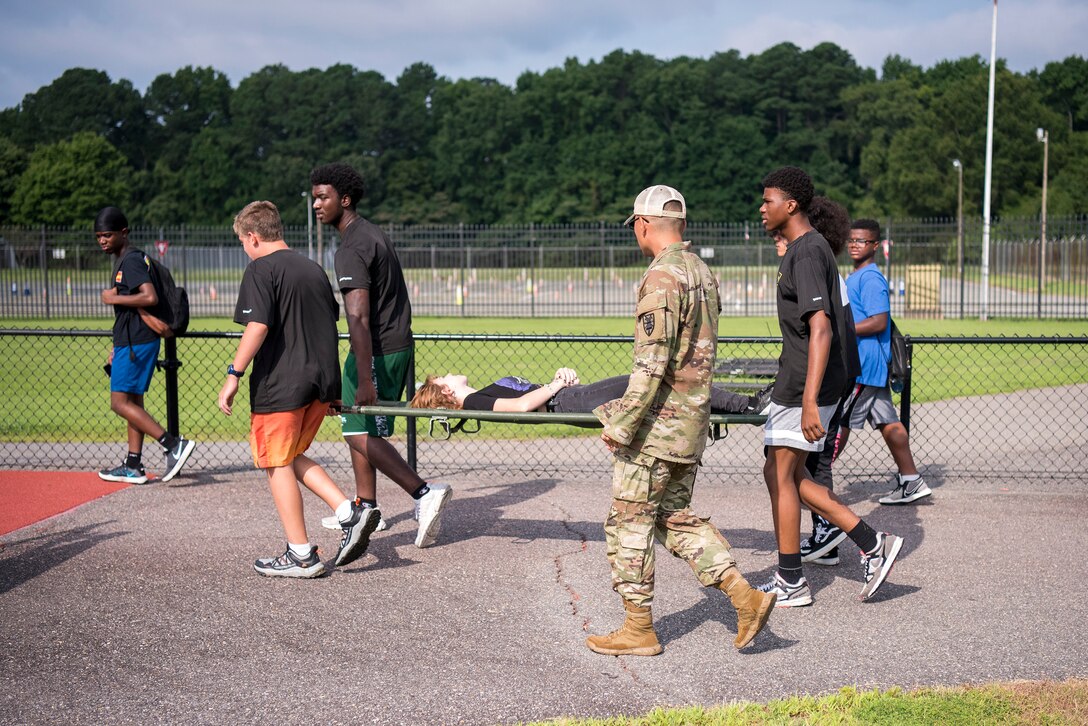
(665,411)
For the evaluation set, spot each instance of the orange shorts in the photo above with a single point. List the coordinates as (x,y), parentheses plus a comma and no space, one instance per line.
(276,439)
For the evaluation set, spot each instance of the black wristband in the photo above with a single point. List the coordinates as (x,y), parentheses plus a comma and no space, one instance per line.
(232,372)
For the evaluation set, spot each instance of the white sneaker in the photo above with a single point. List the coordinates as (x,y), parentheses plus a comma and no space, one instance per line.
(906,492)
(429,513)
(331,522)
(789,596)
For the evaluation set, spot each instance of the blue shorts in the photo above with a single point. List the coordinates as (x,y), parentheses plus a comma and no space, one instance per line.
(132,374)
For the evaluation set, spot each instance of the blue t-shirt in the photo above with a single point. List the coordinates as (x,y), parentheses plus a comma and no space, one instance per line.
(868,292)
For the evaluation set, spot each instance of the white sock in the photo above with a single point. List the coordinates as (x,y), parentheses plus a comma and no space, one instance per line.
(300,550)
(343,510)
(908,477)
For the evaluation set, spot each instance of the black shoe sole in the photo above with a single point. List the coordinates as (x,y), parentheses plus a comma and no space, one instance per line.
(354,550)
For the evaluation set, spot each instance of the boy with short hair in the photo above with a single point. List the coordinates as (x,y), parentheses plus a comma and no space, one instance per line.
(287,305)
(135,350)
(871,398)
(379,317)
(812,377)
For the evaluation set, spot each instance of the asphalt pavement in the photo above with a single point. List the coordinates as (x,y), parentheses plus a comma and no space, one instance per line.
(142,607)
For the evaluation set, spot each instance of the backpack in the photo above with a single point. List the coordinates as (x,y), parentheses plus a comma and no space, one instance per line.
(899,364)
(173,305)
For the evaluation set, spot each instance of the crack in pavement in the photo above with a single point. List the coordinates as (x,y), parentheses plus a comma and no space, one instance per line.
(583,545)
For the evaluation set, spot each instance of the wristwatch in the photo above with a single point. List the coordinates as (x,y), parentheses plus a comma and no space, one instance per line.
(232,372)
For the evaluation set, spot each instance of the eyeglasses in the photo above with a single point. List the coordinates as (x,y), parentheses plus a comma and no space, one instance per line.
(855,241)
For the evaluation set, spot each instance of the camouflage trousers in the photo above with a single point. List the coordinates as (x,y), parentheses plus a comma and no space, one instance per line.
(650,503)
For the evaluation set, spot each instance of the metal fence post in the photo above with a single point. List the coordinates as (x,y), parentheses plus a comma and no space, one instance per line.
(747,265)
(410,440)
(602,270)
(45,275)
(904,400)
(461,283)
(170,365)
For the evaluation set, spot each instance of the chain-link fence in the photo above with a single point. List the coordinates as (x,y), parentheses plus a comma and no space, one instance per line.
(575,270)
(1009,407)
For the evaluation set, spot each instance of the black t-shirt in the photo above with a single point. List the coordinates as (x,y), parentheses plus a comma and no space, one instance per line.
(130,272)
(367,260)
(508,387)
(808,284)
(298,363)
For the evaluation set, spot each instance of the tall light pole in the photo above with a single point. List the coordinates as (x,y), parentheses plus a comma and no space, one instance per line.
(1044,136)
(989,174)
(959,228)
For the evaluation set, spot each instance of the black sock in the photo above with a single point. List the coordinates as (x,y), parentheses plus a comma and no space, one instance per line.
(863,536)
(168,440)
(789,567)
(418,493)
(134,460)
(372,503)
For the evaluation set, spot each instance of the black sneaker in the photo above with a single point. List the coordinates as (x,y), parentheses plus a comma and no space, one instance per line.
(827,559)
(758,402)
(176,458)
(291,565)
(357,531)
(820,548)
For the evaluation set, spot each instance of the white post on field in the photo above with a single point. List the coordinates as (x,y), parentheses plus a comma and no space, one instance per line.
(989,174)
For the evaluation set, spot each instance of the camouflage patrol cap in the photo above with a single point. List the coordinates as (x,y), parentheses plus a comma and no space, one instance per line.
(651,201)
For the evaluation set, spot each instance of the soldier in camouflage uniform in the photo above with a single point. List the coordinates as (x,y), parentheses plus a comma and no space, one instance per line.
(657,432)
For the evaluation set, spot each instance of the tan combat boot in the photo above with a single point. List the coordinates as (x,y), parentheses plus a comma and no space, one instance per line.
(636,637)
(753,606)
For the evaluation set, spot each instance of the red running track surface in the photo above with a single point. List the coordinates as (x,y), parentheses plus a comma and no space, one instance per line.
(27,497)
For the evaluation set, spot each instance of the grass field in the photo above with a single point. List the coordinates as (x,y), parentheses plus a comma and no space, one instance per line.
(66,391)
(1000,704)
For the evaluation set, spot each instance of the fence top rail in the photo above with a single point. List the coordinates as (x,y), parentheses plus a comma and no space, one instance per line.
(518,338)
(992,339)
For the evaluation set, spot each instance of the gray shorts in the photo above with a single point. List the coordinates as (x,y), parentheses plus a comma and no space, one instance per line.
(783,427)
(869,403)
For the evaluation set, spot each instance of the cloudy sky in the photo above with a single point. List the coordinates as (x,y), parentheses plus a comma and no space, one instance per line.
(139,39)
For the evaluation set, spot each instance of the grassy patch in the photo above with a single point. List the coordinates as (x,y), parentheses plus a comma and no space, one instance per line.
(1047,702)
(62,393)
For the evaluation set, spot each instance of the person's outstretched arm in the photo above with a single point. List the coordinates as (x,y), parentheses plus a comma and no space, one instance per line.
(534,400)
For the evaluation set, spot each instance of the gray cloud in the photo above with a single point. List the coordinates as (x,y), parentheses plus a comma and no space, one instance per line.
(139,40)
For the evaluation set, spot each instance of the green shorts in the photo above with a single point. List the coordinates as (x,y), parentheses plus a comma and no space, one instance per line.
(389,373)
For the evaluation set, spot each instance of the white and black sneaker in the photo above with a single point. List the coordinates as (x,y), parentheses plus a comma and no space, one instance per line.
(822,547)
(878,563)
(291,565)
(176,458)
(429,513)
(906,492)
(331,522)
(788,596)
(357,531)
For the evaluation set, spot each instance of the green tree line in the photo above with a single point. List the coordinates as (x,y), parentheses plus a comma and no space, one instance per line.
(571,144)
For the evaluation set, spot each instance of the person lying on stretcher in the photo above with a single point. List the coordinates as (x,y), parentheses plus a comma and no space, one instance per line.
(565,394)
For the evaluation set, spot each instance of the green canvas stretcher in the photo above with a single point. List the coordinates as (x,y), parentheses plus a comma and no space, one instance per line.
(450,421)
